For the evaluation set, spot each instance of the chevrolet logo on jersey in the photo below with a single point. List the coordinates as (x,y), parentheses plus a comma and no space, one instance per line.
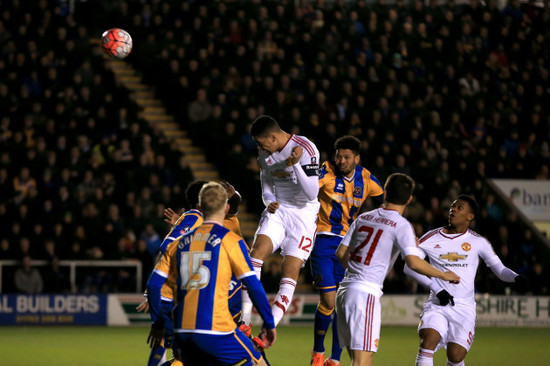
(453,257)
(280,174)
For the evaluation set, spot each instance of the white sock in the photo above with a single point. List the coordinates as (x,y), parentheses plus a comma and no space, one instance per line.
(449,363)
(283,298)
(425,357)
(246,312)
(257,264)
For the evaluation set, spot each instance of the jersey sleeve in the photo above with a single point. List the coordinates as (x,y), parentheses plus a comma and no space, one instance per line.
(492,261)
(267,186)
(487,253)
(238,257)
(375,188)
(307,174)
(406,241)
(324,176)
(163,266)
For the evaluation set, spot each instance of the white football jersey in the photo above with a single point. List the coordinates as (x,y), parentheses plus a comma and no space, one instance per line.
(459,253)
(375,238)
(280,176)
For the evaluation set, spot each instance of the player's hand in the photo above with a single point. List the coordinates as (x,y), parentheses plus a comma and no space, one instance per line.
(296,154)
(170,216)
(451,277)
(272,207)
(269,336)
(155,337)
(445,298)
(522,283)
(144,306)
(229,189)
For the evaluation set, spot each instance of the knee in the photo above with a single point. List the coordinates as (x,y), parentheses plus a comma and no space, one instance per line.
(429,339)
(327,301)
(325,310)
(455,358)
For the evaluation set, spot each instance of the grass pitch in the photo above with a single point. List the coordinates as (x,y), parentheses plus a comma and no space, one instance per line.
(110,346)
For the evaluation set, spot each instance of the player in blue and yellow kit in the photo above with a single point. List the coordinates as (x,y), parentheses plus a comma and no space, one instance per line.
(182,224)
(343,190)
(204,261)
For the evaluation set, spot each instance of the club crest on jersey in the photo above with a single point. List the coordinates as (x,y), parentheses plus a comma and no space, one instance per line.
(357,191)
(453,257)
(466,247)
(313,160)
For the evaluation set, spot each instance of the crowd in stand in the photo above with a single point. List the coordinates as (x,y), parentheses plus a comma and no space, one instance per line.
(450,94)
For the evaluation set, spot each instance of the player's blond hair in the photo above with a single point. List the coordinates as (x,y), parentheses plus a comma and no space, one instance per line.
(212,198)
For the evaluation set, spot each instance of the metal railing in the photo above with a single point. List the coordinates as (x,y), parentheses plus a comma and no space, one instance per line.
(73,264)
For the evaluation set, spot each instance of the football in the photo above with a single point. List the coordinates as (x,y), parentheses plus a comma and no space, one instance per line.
(116,42)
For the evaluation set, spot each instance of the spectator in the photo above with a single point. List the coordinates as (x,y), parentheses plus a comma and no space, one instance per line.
(28,279)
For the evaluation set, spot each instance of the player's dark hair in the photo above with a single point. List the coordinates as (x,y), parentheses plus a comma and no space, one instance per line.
(474,207)
(263,126)
(399,188)
(192,192)
(348,142)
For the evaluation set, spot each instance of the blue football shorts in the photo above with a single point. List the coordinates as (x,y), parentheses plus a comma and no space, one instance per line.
(326,270)
(213,349)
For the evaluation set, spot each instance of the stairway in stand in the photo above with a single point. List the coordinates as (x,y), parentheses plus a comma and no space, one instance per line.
(157,117)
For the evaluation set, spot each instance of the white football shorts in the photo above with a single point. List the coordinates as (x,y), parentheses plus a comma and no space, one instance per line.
(291,229)
(455,324)
(359,318)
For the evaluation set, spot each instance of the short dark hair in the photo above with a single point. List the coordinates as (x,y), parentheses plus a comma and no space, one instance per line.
(192,192)
(474,207)
(399,188)
(263,126)
(348,142)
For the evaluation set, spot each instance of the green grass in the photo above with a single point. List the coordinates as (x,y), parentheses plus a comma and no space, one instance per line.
(98,346)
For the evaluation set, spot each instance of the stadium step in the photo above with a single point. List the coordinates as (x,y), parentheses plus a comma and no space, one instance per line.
(200,165)
(206,175)
(147,102)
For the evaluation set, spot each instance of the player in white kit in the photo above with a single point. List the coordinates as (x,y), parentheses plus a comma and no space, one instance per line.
(368,251)
(449,315)
(290,184)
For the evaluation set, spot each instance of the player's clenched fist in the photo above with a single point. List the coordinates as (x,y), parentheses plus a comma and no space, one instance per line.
(296,154)
(272,207)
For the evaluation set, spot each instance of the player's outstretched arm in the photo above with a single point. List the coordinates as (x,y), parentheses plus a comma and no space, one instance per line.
(443,296)
(423,267)
(501,271)
(507,275)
